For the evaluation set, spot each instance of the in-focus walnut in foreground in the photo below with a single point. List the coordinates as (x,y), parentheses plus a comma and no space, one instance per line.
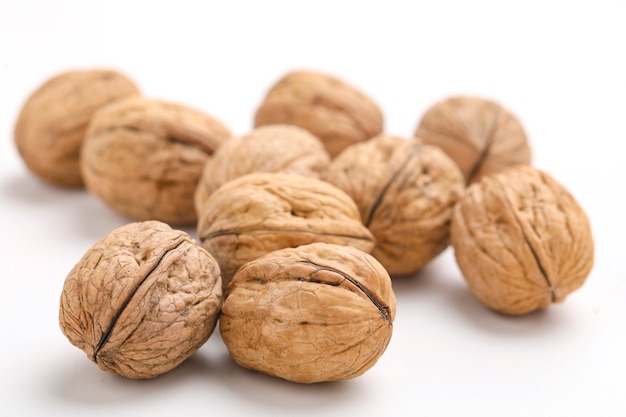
(334,111)
(51,126)
(405,192)
(521,240)
(141,300)
(263,212)
(319,312)
(480,135)
(143,157)
(271,148)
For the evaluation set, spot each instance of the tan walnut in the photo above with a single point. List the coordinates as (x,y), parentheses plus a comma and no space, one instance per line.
(480,135)
(143,157)
(141,300)
(405,192)
(521,240)
(263,212)
(271,148)
(51,125)
(328,107)
(319,312)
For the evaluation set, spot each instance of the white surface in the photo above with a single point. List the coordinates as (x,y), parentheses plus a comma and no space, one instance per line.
(559,67)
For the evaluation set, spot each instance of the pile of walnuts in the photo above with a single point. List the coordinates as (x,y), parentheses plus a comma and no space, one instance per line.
(301,222)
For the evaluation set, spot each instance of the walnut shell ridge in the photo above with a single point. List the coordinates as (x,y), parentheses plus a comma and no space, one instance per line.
(263,212)
(141,300)
(333,110)
(405,192)
(51,125)
(319,312)
(521,240)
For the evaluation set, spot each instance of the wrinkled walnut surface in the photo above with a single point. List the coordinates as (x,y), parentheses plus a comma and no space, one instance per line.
(144,157)
(259,213)
(272,148)
(319,312)
(480,135)
(521,240)
(328,107)
(51,126)
(405,192)
(141,300)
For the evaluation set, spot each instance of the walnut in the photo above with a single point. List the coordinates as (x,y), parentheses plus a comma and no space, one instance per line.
(141,300)
(405,192)
(51,124)
(272,148)
(480,135)
(328,107)
(521,240)
(262,212)
(144,157)
(319,312)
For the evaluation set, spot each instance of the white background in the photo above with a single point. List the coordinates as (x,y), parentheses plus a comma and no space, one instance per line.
(560,66)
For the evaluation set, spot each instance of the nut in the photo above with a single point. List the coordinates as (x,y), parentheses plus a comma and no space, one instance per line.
(405,192)
(263,212)
(480,135)
(521,240)
(328,107)
(51,125)
(319,312)
(144,157)
(272,148)
(141,300)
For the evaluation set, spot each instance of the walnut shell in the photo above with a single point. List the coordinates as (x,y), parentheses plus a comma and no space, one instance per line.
(480,135)
(144,157)
(51,125)
(328,107)
(521,240)
(272,148)
(263,212)
(141,300)
(405,192)
(319,312)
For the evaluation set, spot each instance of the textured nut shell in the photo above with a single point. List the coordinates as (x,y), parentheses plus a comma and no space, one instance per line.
(144,157)
(319,312)
(272,148)
(521,240)
(263,212)
(480,135)
(51,125)
(141,300)
(405,192)
(332,110)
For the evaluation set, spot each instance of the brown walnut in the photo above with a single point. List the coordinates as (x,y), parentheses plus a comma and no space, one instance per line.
(51,126)
(272,148)
(331,109)
(480,135)
(263,212)
(521,240)
(405,192)
(144,157)
(141,300)
(319,312)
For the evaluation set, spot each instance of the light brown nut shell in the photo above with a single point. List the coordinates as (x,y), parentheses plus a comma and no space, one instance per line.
(480,135)
(141,300)
(521,240)
(319,312)
(334,111)
(51,125)
(263,212)
(143,157)
(272,148)
(405,192)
